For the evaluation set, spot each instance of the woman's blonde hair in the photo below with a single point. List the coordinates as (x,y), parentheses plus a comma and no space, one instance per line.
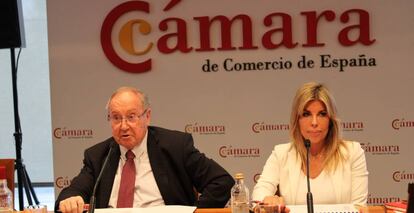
(333,142)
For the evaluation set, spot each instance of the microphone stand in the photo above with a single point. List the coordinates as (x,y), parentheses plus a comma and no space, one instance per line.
(92,200)
(23,180)
(410,205)
(309,197)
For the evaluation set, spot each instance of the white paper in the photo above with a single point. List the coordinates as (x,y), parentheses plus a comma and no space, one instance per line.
(155,209)
(327,208)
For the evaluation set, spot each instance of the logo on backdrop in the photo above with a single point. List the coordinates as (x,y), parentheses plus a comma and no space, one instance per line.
(237,152)
(352,126)
(354,29)
(62,182)
(260,127)
(205,129)
(381,200)
(399,176)
(398,124)
(377,149)
(63,132)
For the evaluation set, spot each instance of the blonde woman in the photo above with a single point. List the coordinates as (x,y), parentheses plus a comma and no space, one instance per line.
(338,171)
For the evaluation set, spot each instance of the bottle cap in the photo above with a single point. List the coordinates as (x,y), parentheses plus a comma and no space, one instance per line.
(2,172)
(239,176)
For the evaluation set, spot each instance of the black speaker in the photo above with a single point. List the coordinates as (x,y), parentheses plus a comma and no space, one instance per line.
(10,33)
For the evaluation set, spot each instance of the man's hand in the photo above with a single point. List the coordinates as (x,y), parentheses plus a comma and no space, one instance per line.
(72,205)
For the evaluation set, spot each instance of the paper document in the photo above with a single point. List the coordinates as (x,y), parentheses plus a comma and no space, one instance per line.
(336,208)
(155,209)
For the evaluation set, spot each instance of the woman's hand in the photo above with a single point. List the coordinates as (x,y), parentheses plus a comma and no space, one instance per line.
(276,201)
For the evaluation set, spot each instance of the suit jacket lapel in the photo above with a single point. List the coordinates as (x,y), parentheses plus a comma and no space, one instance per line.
(158,166)
(294,166)
(338,182)
(107,179)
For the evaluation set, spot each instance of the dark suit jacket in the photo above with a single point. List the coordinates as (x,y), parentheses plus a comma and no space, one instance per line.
(178,168)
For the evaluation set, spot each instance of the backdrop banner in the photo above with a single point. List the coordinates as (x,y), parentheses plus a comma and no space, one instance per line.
(227,71)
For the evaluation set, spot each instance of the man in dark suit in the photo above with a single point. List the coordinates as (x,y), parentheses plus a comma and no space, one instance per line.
(167,168)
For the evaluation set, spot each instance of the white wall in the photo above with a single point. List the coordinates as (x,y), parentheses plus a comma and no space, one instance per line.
(33,96)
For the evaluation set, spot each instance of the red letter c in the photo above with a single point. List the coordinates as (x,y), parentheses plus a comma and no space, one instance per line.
(106,37)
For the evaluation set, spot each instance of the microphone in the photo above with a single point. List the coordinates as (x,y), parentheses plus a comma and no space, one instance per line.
(309,198)
(93,198)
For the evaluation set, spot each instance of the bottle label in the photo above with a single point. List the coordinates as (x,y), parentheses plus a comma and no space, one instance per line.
(5,201)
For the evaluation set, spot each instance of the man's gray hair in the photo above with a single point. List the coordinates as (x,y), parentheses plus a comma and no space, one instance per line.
(144,98)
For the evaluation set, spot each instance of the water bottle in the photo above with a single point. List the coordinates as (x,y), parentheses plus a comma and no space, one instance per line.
(6,196)
(239,196)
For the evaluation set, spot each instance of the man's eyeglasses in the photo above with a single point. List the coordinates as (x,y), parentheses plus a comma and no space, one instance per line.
(131,118)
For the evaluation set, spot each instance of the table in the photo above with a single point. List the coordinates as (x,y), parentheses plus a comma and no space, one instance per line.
(369,209)
(222,210)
